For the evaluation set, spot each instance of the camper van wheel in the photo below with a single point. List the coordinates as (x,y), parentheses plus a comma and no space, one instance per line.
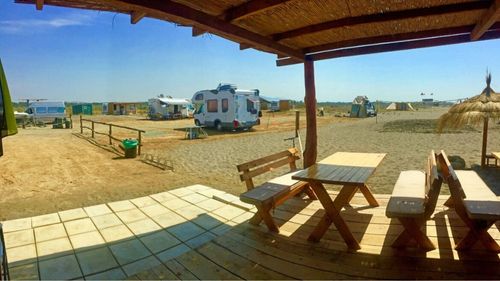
(218,125)
(197,122)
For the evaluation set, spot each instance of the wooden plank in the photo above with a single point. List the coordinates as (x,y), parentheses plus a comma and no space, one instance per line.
(496,155)
(180,271)
(486,20)
(263,169)
(393,38)
(352,264)
(203,268)
(135,17)
(238,265)
(197,31)
(287,268)
(250,8)
(354,159)
(39,4)
(383,17)
(474,187)
(211,23)
(266,159)
(390,47)
(334,174)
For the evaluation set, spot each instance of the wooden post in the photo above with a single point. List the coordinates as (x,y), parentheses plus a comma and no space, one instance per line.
(92,129)
(485,141)
(311,149)
(110,133)
(81,124)
(297,123)
(140,144)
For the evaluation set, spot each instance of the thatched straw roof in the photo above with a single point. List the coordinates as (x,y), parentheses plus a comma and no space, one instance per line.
(473,111)
(296,30)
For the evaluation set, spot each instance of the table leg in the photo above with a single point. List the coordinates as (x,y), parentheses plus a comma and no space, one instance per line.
(332,214)
(368,195)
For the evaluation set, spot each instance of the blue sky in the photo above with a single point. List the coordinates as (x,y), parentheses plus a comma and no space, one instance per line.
(77,55)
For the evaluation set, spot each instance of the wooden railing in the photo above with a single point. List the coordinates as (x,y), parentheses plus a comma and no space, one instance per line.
(110,131)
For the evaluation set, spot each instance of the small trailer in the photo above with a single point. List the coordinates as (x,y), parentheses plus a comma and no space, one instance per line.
(227,107)
(169,108)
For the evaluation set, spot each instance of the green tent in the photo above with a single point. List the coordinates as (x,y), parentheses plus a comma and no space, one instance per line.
(7,120)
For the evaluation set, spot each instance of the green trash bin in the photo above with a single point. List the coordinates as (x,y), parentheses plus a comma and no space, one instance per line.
(130,147)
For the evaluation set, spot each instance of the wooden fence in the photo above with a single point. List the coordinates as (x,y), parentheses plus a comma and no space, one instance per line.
(110,131)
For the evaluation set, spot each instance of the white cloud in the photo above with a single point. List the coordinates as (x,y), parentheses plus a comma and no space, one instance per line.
(19,26)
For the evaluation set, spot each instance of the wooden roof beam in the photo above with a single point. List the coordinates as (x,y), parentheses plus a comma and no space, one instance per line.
(250,8)
(383,17)
(210,23)
(393,38)
(39,4)
(135,17)
(198,31)
(398,46)
(487,20)
(244,46)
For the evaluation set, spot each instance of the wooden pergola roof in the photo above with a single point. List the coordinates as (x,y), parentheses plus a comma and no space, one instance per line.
(317,29)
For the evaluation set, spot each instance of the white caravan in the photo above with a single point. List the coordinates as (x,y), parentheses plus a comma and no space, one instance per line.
(227,107)
(169,108)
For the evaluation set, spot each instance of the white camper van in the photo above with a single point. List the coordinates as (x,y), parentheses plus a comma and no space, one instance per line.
(46,111)
(169,108)
(227,107)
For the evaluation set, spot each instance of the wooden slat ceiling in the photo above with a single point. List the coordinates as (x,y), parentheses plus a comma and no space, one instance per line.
(296,30)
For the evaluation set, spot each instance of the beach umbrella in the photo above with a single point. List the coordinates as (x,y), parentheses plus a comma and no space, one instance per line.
(474,111)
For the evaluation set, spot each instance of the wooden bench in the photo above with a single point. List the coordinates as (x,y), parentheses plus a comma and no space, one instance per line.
(272,193)
(475,204)
(413,201)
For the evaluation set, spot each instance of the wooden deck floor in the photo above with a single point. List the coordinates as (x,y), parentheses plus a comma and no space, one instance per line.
(242,251)
(198,232)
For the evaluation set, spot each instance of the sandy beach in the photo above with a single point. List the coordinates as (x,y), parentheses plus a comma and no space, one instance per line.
(46,170)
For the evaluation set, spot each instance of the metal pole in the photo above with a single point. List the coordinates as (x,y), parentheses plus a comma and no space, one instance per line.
(92,129)
(81,124)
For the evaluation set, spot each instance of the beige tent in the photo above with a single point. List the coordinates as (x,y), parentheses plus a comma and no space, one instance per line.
(403,106)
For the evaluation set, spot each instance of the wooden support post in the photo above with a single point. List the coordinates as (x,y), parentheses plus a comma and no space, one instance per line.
(485,141)
(140,144)
(310,152)
(92,129)
(81,124)
(110,133)
(297,123)
(39,4)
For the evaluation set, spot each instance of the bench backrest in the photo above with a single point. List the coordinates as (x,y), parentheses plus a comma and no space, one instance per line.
(432,184)
(450,176)
(268,163)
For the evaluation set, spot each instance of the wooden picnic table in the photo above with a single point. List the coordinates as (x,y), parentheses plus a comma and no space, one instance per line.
(349,169)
